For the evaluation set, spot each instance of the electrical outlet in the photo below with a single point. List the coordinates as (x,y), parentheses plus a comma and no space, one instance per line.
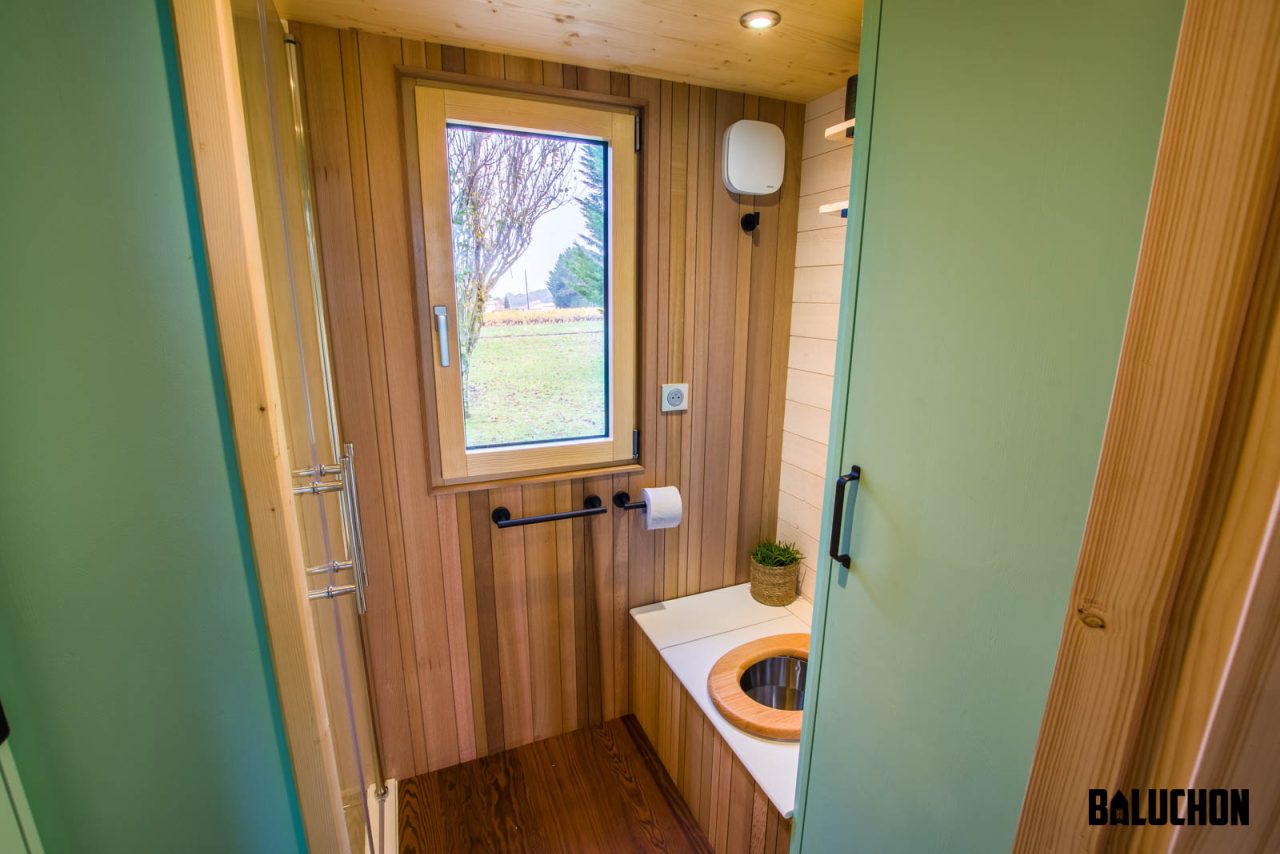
(675,397)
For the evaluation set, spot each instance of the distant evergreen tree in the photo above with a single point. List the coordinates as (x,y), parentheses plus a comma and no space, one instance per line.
(562,281)
(591,202)
(578,276)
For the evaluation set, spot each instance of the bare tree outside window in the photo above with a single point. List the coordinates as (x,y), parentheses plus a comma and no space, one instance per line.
(500,184)
(528,214)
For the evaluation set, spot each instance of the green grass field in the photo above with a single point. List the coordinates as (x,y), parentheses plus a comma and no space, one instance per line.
(537,382)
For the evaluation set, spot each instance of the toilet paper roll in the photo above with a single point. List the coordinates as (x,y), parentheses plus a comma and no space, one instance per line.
(662,507)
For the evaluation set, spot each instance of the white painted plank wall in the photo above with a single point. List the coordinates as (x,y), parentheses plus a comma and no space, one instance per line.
(824,177)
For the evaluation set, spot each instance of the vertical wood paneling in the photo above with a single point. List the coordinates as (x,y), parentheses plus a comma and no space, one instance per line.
(688,577)
(583,614)
(735,571)
(698,249)
(620,570)
(423,564)
(455,617)
(356,373)
(552,74)
(566,609)
(593,80)
(414,53)
(482,63)
(523,70)
(601,674)
(511,598)
(717,395)
(672,180)
(481,639)
(453,59)
(543,613)
(422,55)
(467,563)
(486,618)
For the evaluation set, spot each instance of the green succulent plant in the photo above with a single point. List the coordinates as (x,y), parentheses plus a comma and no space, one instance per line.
(774,553)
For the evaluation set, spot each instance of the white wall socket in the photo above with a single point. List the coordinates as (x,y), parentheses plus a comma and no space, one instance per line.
(675,397)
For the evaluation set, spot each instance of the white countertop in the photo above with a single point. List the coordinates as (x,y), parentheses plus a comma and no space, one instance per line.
(692,633)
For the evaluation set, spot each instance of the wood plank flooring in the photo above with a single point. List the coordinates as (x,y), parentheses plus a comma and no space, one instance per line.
(597,789)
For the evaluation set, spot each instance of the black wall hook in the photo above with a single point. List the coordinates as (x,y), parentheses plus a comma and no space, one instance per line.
(750,221)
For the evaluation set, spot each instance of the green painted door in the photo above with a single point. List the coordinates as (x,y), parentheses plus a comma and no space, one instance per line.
(1002,166)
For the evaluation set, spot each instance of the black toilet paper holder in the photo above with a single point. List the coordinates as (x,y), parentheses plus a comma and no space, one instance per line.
(622,500)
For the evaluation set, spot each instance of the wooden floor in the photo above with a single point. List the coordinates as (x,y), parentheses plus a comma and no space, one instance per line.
(597,789)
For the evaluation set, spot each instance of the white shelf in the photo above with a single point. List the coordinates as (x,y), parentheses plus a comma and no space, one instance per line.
(840,209)
(835,133)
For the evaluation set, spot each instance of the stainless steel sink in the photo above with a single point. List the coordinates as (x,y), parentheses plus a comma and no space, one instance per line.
(777,682)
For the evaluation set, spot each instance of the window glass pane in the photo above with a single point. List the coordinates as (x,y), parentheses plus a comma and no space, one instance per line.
(529,260)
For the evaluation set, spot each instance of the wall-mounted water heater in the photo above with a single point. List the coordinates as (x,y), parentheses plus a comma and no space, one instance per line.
(754,154)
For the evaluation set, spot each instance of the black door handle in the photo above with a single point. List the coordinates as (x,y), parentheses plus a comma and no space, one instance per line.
(837,513)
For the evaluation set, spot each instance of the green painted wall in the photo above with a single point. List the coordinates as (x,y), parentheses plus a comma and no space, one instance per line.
(133,660)
(1002,168)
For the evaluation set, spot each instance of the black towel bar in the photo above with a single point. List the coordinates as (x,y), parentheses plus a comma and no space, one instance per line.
(591,506)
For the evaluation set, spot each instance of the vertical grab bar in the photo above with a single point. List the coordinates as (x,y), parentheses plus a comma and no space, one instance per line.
(351,520)
(349,452)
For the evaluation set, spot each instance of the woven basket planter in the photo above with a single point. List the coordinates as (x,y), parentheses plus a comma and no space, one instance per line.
(774,585)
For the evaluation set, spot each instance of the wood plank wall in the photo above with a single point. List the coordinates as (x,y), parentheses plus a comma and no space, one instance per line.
(815,310)
(735,814)
(482,639)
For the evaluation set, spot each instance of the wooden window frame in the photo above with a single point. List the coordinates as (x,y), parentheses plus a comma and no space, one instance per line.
(429,106)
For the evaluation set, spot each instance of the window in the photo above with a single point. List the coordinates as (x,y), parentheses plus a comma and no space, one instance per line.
(528,238)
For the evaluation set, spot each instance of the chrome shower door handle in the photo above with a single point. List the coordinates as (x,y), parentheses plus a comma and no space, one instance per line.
(837,514)
(351,520)
(357,527)
(442,333)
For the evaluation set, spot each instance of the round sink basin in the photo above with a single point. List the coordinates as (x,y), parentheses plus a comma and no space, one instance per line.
(759,686)
(777,682)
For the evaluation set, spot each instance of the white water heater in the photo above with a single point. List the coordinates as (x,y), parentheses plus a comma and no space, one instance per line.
(754,155)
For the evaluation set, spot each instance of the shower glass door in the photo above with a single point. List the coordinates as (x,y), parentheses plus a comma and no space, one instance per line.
(324,468)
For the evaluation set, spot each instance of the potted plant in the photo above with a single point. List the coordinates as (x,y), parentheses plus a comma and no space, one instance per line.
(775,568)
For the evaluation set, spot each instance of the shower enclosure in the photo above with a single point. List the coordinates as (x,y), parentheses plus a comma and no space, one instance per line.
(323,466)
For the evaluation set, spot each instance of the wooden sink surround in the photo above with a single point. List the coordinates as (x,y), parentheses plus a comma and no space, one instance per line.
(724,683)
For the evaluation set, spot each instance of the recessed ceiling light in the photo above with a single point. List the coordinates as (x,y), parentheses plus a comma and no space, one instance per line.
(760,19)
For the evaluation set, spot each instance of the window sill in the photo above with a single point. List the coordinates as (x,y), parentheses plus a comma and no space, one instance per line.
(545,477)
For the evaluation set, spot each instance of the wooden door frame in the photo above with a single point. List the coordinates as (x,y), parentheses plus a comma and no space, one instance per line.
(220,154)
(1188,474)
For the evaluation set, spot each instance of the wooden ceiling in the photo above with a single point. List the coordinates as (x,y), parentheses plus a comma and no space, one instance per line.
(811,52)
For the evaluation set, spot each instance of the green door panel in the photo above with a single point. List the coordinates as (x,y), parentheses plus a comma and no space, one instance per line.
(134,661)
(1001,173)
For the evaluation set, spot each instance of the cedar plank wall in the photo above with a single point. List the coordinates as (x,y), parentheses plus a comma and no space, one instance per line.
(482,639)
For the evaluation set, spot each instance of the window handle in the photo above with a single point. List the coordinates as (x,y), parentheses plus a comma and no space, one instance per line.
(442,332)
(837,513)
